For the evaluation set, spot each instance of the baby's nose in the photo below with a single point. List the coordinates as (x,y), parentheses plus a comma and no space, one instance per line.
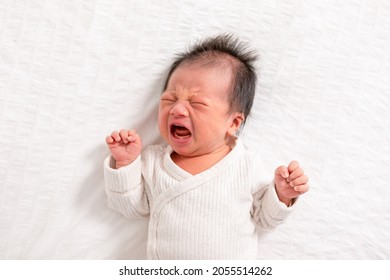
(179,110)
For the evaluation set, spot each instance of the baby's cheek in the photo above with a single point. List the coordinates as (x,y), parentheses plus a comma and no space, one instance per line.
(162,125)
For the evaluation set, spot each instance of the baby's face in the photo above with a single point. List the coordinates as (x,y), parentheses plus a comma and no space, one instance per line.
(194,115)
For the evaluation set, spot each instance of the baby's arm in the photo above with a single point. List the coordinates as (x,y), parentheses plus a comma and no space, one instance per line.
(272,203)
(122,173)
(125,146)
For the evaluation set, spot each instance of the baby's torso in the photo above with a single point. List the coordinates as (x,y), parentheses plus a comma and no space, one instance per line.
(206,216)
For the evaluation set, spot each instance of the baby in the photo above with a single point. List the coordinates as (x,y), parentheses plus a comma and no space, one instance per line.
(204,193)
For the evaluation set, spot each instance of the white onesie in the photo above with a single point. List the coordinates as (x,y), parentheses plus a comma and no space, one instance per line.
(211,215)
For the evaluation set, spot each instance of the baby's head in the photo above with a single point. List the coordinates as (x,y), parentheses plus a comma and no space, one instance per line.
(208,94)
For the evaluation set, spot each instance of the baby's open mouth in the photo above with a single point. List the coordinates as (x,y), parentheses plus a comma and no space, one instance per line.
(180,131)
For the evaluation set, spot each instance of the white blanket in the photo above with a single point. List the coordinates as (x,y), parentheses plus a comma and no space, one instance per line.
(73,71)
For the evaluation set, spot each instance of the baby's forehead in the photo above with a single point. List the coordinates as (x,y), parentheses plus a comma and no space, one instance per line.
(224,73)
(214,60)
(194,76)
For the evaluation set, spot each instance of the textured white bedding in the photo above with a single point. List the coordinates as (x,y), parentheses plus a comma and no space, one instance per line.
(73,71)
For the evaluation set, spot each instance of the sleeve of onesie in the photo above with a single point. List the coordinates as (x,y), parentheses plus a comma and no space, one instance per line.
(267,210)
(125,189)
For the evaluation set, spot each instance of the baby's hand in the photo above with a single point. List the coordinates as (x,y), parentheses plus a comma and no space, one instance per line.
(290,182)
(125,146)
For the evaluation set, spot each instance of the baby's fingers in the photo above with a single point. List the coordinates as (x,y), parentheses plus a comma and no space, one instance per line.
(282,171)
(302,180)
(293,165)
(295,174)
(115,136)
(124,134)
(109,140)
(302,188)
(132,136)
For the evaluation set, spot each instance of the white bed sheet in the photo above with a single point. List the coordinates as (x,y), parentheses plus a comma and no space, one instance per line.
(73,71)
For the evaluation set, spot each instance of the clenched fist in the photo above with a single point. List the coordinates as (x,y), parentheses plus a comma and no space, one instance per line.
(125,146)
(290,182)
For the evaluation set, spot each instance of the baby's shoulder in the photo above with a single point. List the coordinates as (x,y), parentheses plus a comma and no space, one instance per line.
(154,152)
(256,168)
(152,157)
(155,148)
(252,158)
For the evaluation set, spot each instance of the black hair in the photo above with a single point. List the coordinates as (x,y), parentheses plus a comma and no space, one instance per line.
(227,50)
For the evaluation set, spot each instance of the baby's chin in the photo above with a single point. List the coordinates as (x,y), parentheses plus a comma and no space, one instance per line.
(183,152)
(205,152)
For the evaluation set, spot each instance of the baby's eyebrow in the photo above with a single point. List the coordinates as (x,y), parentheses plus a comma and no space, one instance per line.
(176,94)
(171,92)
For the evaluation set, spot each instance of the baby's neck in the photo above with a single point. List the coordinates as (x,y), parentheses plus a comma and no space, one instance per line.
(197,164)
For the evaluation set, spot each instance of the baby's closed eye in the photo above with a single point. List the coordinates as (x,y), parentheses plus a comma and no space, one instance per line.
(199,102)
(167,99)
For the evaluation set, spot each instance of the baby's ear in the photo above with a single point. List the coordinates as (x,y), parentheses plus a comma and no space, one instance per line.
(236,120)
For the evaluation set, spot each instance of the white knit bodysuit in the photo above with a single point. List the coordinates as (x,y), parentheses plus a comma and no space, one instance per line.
(211,215)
